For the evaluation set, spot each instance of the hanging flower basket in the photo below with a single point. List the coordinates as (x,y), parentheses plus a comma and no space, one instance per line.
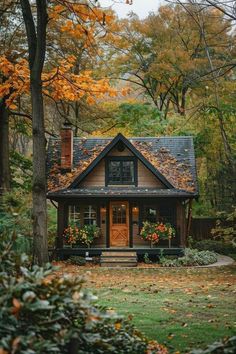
(154,232)
(75,236)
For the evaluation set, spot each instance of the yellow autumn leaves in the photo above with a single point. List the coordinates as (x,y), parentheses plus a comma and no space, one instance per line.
(63,81)
(60,83)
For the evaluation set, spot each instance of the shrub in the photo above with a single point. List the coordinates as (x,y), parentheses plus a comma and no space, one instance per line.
(146,259)
(215,246)
(226,229)
(77,260)
(41,313)
(15,213)
(192,257)
(227,346)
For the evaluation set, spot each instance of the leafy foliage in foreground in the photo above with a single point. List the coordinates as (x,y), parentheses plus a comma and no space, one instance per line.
(227,346)
(192,257)
(42,313)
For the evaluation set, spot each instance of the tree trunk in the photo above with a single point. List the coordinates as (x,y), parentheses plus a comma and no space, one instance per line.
(39,173)
(4,148)
(36,36)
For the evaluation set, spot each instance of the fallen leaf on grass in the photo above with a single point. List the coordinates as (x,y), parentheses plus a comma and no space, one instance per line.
(189,315)
(172,311)
(184,325)
(170,336)
(127,291)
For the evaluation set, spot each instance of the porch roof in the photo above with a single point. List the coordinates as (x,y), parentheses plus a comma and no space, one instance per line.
(113,192)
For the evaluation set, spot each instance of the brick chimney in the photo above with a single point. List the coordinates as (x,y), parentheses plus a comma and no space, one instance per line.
(67,147)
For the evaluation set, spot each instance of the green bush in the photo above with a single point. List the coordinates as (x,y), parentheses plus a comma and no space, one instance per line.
(146,259)
(41,313)
(15,219)
(226,227)
(227,346)
(215,246)
(192,257)
(77,260)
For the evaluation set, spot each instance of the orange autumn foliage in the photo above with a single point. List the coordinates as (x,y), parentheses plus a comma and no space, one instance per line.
(87,24)
(60,83)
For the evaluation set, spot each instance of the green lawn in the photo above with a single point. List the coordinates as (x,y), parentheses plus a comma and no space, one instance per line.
(182,308)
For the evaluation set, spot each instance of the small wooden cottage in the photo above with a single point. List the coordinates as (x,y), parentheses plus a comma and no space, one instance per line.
(117,184)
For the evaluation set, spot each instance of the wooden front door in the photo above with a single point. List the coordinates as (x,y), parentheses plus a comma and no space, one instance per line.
(119,224)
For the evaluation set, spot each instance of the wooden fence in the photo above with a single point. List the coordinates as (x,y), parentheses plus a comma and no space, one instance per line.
(201,228)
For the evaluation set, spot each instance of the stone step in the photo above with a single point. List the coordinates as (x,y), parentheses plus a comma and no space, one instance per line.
(118,265)
(118,259)
(119,253)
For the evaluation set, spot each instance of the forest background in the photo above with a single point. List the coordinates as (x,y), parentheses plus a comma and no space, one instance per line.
(172,73)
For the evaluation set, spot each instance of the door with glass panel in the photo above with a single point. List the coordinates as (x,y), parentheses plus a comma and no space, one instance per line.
(119,224)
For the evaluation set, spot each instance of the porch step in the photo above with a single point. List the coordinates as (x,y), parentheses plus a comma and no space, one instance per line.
(118,259)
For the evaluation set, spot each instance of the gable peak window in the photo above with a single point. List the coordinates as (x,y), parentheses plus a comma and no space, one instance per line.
(121,170)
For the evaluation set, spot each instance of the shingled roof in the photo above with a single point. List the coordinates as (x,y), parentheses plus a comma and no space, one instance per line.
(172,157)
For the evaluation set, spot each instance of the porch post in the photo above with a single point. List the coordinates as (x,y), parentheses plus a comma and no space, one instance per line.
(181,222)
(62,218)
(189,220)
(130,224)
(107,224)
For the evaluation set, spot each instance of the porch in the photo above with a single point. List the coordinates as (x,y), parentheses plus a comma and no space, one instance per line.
(120,221)
(64,253)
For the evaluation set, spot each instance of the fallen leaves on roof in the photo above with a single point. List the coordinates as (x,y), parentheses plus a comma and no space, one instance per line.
(59,179)
(176,172)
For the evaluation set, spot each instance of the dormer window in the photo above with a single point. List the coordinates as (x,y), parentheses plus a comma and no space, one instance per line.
(121,170)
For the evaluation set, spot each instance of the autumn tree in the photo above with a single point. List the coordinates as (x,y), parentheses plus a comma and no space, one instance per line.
(59,82)
(163,55)
(219,85)
(11,47)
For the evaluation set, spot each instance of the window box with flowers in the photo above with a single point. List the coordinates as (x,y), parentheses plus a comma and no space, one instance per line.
(75,236)
(154,232)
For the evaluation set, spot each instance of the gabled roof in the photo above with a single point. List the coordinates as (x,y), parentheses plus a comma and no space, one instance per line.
(170,159)
(107,149)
